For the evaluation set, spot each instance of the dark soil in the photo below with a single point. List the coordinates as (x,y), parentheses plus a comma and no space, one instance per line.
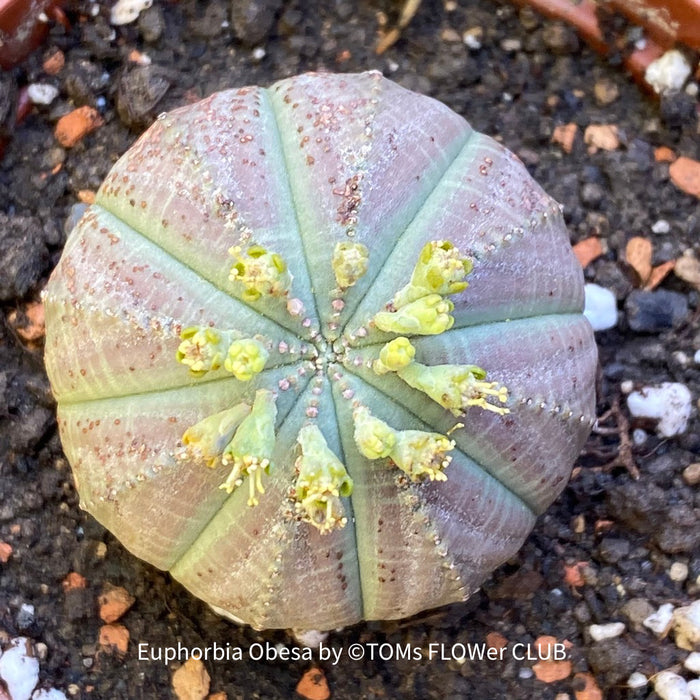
(529,76)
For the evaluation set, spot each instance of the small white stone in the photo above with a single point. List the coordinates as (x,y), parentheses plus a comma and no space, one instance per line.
(627,386)
(660,621)
(310,638)
(639,437)
(42,93)
(661,226)
(126,11)
(472,38)
(671,686)
(692,89)
(678,571)
(681,358)
(525,672)
(692,663)
(50,694)
(608,631)
(668,72)
(686,626)
(696,357)
(670,403)
(19,669)
(600,308)
(637,680)
(694,688)
(258,53)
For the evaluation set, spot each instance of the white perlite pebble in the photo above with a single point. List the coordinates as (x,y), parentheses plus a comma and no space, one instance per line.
(660,621)
(670,686)
(668,72)
(19,669)
(696,357)
(608,631)
(626,386)
(637,680)
(692,663)
(310,638)
(126,11)
(694,688)
(600,307)
(661,226)
(678,571)
(42,93)
(686,626)
(50,694)
(639,437)
(670,403)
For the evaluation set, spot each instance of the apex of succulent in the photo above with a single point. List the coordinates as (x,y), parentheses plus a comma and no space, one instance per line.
(244,436)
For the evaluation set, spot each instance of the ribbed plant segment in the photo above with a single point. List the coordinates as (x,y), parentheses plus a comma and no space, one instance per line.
(318,350)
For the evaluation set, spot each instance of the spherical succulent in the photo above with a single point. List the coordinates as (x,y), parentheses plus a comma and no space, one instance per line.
(318,351)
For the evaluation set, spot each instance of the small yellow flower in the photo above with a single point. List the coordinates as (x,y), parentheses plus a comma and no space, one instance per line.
(417,453)
(349,263)
(440,270)
(373,437)
(208,438)
(429,315)
(251,449)
(321,482)
(456,387)
(262,273)
(396,354)
(202,349)
(246,358)
(420,454)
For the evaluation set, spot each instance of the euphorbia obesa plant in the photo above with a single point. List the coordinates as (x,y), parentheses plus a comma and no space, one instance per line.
(318,351)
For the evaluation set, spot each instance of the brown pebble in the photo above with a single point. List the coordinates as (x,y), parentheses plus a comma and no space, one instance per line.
(450,35)
(35,328)
(86,196)
(5,551)
(495,640)
(191,681)
(54,62)
(73,580)
(663,154)
(601,136)
(564,135)
(691,474)
(114,638)
(217,696)
(586,687)
(588,250)
(685,174)
(313,685)
(114,602)
(605,91)
(75,125)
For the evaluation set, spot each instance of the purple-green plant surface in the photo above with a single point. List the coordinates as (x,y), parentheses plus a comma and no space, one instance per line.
(290,178)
